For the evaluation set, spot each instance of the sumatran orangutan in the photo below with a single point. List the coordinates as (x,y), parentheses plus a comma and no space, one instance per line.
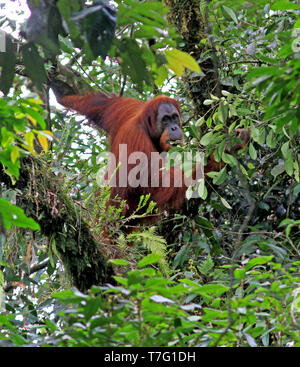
(138,132)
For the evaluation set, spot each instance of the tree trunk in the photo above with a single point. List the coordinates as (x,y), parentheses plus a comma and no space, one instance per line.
(44,200)
(190,20)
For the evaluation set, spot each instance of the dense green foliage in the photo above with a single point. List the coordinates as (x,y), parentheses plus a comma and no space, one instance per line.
(226,271)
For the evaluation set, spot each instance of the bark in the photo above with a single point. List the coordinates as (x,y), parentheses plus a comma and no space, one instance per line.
(65,81)
(190,21)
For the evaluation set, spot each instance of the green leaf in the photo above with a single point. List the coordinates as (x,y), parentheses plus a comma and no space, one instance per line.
(18,339)
(29,138)
(181,256)
(67,8)
(202,190)
(149,259)
(12,215)
(146,31)
(194,131)
(252,152)
(179,60)
(223,112)
(205,140)
(289,166)
(258,134)
(296,189)
(225,203)
(288,158)
(92,307)
(271,141)
(214,289)
(133,63)
(50,325)
(285,150)
(239,273)
(297,24)
(278,169)
(229,14)
(220,177)
(230,159)
(264,71)
(203,222)
(206,266)
(122,281)
(34,65)
(33,115)
(208,102)
(258,261)
(69,296)
(284,5)
(262,136)
(15,154)
(161,75)
(100,25)
(260,80)
(12,169)
(207,228)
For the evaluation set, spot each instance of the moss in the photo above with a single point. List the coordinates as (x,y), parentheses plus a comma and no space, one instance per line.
(190,20)
(45,200)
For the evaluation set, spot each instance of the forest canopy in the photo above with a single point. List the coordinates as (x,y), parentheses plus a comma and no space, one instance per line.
(223,269)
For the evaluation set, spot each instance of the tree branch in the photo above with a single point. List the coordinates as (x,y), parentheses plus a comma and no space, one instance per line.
(44,200)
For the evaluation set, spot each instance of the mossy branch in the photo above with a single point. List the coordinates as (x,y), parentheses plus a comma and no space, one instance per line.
(43,199)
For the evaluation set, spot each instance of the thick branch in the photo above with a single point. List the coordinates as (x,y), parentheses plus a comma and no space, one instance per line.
(65,81)
(61,221)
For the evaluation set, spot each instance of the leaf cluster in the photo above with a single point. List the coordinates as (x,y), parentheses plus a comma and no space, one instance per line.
(146,309)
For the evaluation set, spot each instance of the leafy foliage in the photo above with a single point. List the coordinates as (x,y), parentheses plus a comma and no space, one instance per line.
(225,271)
(54,27)
(16,142)
(146,309)
(11,215)
(17,136)
(155,244)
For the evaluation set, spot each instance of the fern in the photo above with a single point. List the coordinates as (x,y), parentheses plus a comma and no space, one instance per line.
(155,244)
(144,201)
(206,266)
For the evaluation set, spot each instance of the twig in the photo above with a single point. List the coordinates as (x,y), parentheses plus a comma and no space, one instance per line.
(33,269)
(36,267)
(247,62)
